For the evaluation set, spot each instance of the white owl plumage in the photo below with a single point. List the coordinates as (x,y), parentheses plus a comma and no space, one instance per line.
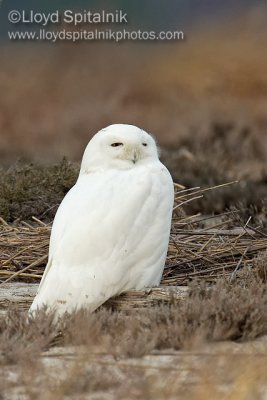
(111,231)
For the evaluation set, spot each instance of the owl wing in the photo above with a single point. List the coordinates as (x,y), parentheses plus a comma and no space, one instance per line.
(110,234)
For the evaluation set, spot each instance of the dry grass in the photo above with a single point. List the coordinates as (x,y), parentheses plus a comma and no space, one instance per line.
(93,351)
(34,189)
(130,354)
(199,247)
(205,100)
(225,311)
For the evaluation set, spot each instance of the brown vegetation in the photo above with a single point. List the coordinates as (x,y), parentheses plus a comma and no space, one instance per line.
(204,247)
(205,100)
(227,311)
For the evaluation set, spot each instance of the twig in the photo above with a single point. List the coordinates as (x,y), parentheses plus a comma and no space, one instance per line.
(34,264)
(233,275)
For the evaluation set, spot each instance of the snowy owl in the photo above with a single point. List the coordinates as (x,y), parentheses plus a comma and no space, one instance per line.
(111,231)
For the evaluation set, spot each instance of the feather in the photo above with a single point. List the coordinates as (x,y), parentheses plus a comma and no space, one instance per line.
(111,231)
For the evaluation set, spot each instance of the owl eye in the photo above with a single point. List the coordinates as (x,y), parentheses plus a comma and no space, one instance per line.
(144,144)
(116,144)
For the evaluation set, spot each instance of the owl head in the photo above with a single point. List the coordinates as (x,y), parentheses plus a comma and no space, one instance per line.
(119,146)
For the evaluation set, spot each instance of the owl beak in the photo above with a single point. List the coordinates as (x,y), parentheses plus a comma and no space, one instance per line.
(135,156)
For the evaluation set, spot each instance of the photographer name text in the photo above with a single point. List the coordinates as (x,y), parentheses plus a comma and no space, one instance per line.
(68,17)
